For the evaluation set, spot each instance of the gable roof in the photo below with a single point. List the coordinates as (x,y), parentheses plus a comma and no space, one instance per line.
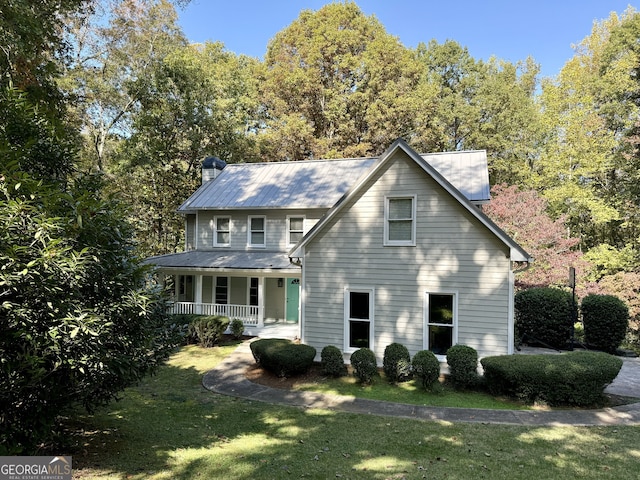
(321,183)
(517,253)
(302,184)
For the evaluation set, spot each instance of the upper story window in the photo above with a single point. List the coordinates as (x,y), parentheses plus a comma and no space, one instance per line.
(400,220)
(295,229)
(221,231)
(257,231)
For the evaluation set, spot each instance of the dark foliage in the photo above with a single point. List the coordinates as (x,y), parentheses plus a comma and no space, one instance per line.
(606,320)
(426,367)
(396,363)
(573,378)
(283,357)
(543,316)
(332,361)
(237,328)
(365,365)
(463,366)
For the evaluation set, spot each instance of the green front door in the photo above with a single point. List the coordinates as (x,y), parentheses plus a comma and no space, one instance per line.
(293,299)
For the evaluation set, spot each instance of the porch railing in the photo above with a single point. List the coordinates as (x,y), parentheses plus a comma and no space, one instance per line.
(251,316)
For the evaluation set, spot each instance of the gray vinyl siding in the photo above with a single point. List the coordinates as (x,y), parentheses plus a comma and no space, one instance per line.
(275,234)
(455,253)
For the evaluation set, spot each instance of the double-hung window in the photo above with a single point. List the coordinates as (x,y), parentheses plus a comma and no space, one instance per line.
(222,290)
(400,220)
(441,312)
(257,231)
(295,229)
(221,231)
(358,312)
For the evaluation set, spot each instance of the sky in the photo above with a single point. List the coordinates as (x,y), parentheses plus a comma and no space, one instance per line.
(510,30)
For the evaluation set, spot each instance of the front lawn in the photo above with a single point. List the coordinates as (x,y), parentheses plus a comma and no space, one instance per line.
(170,427)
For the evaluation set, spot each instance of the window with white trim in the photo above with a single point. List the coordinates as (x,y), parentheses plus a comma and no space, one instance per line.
(441,312)
(253,291)
(257,231)
(221,231)
(400,220)
(358,310)
(295,229)
(222,290)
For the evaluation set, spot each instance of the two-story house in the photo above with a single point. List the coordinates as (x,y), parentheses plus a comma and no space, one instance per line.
(359,252)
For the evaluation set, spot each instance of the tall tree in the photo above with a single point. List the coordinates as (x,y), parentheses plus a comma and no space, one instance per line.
(200,100)
(116,48)
(335,84)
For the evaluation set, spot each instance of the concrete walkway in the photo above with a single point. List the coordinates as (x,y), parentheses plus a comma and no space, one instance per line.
(228,379)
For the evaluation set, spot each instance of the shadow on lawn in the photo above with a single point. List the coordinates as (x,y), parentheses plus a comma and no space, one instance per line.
(171,427)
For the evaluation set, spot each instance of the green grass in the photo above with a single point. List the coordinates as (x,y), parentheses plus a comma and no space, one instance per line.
(442,395)
(170,427)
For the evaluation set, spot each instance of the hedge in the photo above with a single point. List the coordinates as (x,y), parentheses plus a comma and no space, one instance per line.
(573,378)
(543,315)
(606,320)
(283,357)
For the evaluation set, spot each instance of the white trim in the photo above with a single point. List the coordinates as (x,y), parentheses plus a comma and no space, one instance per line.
(372,295)
(511,320)
(214,229)
(195,231)
(392,243)
(288,228)
(426,323)
(250,231)
(516,252)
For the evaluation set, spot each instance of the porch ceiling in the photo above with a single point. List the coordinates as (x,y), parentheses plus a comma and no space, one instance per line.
(227,260)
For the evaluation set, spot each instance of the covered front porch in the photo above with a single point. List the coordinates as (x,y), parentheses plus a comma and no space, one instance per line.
(256,287)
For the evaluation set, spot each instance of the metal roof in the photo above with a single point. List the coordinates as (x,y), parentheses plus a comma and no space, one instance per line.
(468,171)
(321,183)
(224,260)
(302,184)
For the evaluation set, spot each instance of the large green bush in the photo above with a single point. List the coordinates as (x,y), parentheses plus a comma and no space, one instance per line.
(283,357)
(365,365)
(606,320)
(543,315)
(463,366)
(209,329)
(396,363)
(573,378)
(332,361)
(426,367)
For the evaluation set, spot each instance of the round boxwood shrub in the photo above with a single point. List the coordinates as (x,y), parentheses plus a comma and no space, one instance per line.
(606,320)
(209,329)
(283,357)
(426,368)
(396,363)
(237,328)
(332,361)
(365,365)
(543,316)
(463,366)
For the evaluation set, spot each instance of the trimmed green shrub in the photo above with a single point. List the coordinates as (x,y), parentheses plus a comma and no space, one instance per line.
(283,357)
(426,367)
(184,324)
(544,316)
(606,320)
(396,363)
(332,361)
(209,329)
(237,328)
(365,365)
(463,366)
(573,378)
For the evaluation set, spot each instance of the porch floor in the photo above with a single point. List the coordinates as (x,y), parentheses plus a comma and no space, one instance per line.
(274,330)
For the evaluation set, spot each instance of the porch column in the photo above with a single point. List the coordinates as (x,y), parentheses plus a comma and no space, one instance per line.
(197,294)
(260,301)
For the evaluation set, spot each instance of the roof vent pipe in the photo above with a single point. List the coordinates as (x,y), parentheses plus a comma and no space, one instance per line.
(211,168)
